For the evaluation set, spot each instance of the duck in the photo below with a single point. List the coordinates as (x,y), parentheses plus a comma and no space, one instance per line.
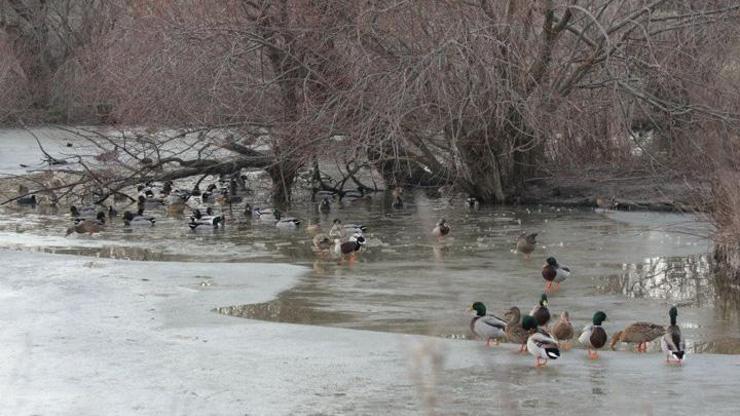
(322,242)
(397,201)
(486,326)
(82,214)
(540,343)
(288,223)
(639,332)
(198,219)
(112,212)
(515,332)
(593,335)
(350,247)
(540,311)
(339,230)
(325,205)
(671,343)
(88,226)
(472,202)
(526,243)
(129,219)
(563,329)
(554,272)
(266,214)
(441,229)
(29,200)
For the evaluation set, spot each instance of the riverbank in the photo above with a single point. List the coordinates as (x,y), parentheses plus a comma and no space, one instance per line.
(630,191)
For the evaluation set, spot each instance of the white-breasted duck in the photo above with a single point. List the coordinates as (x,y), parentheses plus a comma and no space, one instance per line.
(540,343)
(594,336)
(198,219)
(350,247)
(553,272)
(486,326)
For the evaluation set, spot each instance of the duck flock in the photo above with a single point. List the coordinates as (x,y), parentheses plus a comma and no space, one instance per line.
(342,240)
(532,332)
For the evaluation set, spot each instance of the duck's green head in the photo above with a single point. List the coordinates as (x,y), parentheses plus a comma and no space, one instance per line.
(529,323)
(673,313)
(599,317)
(479,308)
(543,300)
(551,261)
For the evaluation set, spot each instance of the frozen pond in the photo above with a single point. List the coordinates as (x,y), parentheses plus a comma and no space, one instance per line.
(133,310)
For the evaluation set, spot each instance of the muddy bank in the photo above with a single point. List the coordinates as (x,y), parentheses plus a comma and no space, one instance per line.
(618,190)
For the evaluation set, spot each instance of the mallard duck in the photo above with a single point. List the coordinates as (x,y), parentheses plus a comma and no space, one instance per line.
(594,336)
(472,202)
(129,219)
(348,247)
(638,332)
(554,272)
(441,229)
(325,205)
(488,327)
(29,200)
(540,311)
(198,219)
(540,343)
(322,242)
(88,226)
(526,243)
(563,329)
(288,223)
(515,332)
(266,214)
(671,343)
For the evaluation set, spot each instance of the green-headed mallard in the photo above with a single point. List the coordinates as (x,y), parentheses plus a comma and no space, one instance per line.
(515,332)
(441,229)
(638,332)
(554,272)
(88,226)
(198,219)
(526,243)
(350,247)
(540,311)
(594,336)
(671,343)
(563,329)
(540,343)
(486,326)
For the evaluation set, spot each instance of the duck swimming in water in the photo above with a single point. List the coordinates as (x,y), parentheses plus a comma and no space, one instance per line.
(88,226)
(350,247)
(671,343)
(139,219)
(594,336)
(486,326)
(554,272)
(198,219)
(526,243)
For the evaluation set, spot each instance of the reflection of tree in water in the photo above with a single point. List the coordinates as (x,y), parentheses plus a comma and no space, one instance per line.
(677,279)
